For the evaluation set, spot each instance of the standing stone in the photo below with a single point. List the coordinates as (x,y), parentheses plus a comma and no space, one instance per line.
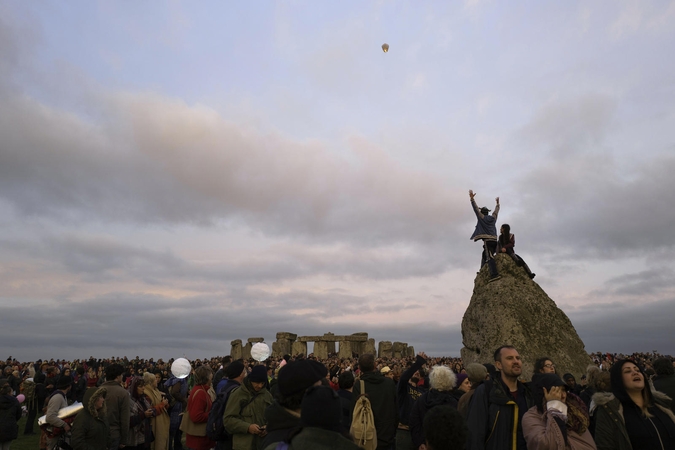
(246,351)
(346,349)
(516,311)
(284,344)
(368,347)
(399,349)
(330,343)
(385,349)
(299,347)
(235,350)
(321,350)
(411,351)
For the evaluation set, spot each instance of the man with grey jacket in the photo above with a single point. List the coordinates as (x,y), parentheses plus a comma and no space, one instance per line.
(118,406)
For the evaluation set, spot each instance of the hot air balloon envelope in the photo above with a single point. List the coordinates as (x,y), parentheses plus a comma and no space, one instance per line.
(385,48)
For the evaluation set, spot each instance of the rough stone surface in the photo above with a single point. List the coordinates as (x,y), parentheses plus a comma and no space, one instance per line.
(368,347)
(286,335)
(299,347)
(253,340)
(346,349)
(246,351)
(321,349)
(385,349)
(516,311)
(235,351)
(399,349)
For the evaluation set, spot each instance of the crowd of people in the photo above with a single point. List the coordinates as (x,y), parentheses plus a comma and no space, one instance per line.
(621,402)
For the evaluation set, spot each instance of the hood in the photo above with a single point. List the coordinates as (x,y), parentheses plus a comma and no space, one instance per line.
(89,400)
(7,401)
(437,398)
(280,418)
(602,398)
(372,377)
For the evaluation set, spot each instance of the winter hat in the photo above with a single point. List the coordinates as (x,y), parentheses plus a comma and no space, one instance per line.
(234,369)
(64,382)
(297,376)
(460,379)
(321,408)
(476,372)
(258,374)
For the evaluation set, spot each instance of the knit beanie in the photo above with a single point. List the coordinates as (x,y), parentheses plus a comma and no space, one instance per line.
(234,369)
(460,379)
(258,374)
(321,408)
(296,376)
(64,382)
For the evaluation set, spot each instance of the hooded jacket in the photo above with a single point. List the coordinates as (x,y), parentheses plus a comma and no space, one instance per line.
(10,413)
(90,428)
(486,227)
(245,407)
(427,401)
(382,394)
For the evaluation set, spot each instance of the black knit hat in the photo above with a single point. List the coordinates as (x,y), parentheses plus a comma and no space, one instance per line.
(64,382)
(234,369)
(321,408)
(258,374)
(297,376)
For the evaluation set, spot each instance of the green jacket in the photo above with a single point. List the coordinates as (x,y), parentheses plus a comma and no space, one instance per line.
(245,407)
(90,428)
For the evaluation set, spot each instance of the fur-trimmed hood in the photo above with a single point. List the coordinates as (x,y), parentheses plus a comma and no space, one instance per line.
(89,401)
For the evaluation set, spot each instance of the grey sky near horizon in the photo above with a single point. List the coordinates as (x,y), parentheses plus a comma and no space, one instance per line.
(173,177)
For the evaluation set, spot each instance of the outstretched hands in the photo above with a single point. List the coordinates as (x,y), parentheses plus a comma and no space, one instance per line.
(471,194)
(497,200)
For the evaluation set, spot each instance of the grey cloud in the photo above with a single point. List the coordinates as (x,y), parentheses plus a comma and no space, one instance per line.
(656,281)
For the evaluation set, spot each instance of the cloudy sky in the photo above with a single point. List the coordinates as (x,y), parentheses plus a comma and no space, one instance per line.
(176,175)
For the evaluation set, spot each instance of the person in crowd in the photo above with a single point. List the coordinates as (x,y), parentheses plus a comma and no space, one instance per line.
(117,406)
(283,415)
(476,373)
(30,390)
(92,377)
(55,402)
(10,413)
(572,385)
(442,381)
(506,244)
(486,231)
(632,416)
(178,390)
(664,381)
(444,429)
(199,406)
(498,404)
(245,411)
(556,421)
(80,384)
(462,386)
(321,426)
(383,399)
(160,420)
(407,392)
(235,372)
(592,372)
(140,426)
(90,428)
(543,365)
(345,389)
(220,373)
(71,393)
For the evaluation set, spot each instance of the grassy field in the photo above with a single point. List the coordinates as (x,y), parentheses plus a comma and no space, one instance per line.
(31,442)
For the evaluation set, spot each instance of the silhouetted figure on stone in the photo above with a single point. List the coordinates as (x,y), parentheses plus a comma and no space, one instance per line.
(506,244)
(486,231)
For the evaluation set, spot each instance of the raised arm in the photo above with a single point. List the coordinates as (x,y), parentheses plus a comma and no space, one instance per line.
(494,214)
(476,209)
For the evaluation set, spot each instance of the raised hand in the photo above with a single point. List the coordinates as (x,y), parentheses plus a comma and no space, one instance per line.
(471,194)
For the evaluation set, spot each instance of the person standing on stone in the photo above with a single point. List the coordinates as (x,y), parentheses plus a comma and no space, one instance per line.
(486,231)
(506,244)
(498,405)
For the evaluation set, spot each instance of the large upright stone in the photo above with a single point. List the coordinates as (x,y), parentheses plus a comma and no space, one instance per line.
(368,347)
(321,350)
(235,350)
(516,311)
(284,344)
(299,347)
(346,349)
(385,349)
(330,342)
(399,349)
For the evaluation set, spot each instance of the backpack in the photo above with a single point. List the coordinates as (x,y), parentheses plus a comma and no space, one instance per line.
(28,389)
(215,430)
(363,422)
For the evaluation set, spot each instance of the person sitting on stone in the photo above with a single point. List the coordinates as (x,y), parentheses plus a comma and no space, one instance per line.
(506,244)
(486,231)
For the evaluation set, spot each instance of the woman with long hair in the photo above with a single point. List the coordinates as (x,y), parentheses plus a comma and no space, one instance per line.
(140,426)
(558,420)
(632,416)
(199,405)
(506,244)
(160,420)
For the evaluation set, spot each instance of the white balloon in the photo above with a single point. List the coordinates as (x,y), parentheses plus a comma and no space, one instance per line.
(260,351)
(181,368)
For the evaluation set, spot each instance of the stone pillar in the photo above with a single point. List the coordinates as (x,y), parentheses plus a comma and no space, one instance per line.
(346,349)
(411,351)
(246,352)
(298,348)
(368,346)
(385,349)
(235,350)
(399,349)
(284,344)
(321,349)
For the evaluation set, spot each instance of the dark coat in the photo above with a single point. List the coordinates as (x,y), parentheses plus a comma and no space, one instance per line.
(493,415)
(90,428)
(280,423)
(10,413)
(666,384)
(382,394)
(346,398)
(407,393)
(311,438)
(427,401)
(119,407)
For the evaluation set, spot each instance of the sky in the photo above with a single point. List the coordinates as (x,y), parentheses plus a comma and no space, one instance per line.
(176,175)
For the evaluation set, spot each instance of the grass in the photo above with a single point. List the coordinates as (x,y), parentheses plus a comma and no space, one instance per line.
(31,442)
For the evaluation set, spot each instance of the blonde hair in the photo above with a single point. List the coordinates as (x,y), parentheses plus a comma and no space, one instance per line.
(442,378)
(149,378)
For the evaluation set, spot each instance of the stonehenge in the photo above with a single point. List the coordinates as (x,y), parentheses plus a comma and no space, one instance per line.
(347,346)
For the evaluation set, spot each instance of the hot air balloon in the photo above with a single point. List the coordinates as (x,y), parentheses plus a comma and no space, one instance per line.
(385,47)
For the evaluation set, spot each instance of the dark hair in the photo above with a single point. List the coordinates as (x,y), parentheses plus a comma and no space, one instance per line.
(619,390)
(227,360)
(505,237)
(346,380)
(498,352)
(202,374)
(5,388)
(367,362)
(444,428)
(80,370)
(113,371)
(663,366)
(539,364)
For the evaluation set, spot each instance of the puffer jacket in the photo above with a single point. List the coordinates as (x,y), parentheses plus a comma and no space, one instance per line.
(90,428)
(10,413)
(245,407)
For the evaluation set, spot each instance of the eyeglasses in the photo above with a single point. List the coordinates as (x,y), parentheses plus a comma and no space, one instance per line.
(549,365)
